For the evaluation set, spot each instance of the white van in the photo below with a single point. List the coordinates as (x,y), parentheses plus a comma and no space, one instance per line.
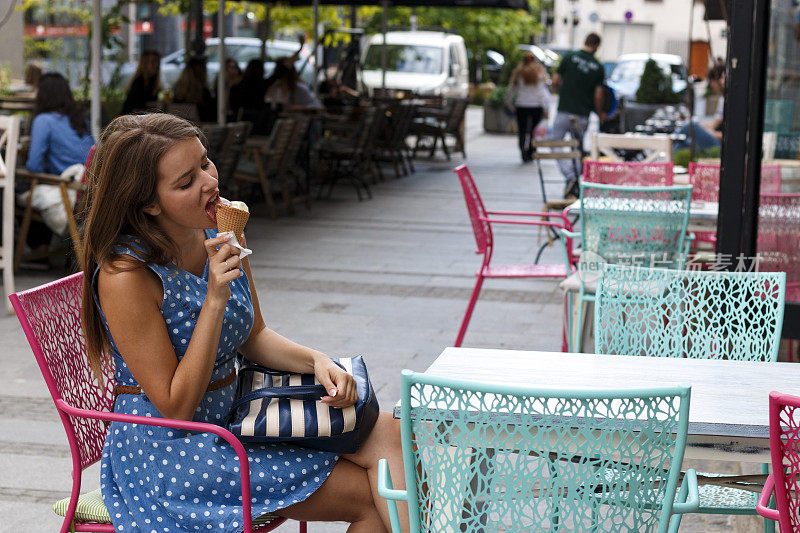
(423,62)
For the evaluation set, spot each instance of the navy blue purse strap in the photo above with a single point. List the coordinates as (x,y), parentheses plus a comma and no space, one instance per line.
(300,392)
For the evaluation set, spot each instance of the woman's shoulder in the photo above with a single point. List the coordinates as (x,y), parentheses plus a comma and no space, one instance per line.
(125,280)
(46,118)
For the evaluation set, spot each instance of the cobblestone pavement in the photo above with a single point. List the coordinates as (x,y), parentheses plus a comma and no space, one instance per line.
(388,278)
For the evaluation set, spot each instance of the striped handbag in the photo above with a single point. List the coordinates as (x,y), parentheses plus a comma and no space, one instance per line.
(277,406)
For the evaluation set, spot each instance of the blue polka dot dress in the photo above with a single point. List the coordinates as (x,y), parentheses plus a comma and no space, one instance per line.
(161,479)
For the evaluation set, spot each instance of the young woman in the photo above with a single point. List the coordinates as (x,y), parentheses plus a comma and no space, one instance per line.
(529,85)
(191,87)
(60,138)
(233,76)
(170,301)
(145,84)
(285,87)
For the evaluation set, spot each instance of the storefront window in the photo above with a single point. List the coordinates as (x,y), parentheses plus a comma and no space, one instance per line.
(779,211)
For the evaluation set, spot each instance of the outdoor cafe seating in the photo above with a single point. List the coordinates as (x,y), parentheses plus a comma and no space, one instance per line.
(622,225)
(50,316)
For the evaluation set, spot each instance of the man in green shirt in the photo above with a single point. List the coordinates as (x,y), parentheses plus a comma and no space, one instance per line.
(579,82)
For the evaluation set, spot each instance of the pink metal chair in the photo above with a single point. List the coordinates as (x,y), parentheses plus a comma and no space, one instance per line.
(783,483)
(778,238)
(482,228)
(657,174)
(50,318)
(705,187)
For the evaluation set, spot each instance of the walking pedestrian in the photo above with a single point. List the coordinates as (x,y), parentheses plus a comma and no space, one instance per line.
(579,82)
(528,95)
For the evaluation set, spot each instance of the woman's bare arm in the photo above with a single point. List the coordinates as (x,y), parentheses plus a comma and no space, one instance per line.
(131,303)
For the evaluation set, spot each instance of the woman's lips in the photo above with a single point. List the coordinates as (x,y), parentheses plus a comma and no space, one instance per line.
(211,208)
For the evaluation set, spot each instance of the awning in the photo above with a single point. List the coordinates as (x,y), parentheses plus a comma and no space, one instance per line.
(508,4)
(717,9)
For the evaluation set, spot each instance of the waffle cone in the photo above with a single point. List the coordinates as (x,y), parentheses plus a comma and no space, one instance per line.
(231,219)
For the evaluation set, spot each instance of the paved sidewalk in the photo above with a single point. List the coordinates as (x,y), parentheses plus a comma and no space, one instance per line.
(388,278)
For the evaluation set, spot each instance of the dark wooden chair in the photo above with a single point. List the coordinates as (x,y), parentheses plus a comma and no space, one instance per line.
(216,134)
(391,147)
(438,124)
(30,214)
(268,154)
(228,160)
(348,155)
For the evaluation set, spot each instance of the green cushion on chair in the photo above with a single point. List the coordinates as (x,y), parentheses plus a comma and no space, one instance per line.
(92,509)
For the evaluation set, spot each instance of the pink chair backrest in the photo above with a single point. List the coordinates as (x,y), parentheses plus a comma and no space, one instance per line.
(778,238)
(656,174)
(705,181)
(770,179)
(784,440)
(51,319)
(475,208)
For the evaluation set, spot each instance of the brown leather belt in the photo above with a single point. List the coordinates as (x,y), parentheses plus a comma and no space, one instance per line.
(214,385)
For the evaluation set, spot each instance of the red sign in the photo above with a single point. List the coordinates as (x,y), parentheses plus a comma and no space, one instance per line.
(208,28)
(40,30)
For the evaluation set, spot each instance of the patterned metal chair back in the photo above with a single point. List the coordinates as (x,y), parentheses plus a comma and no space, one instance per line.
(784,443)
(685,313)
(483,457)
(705,182)
(657,174)
(705,179)
(778,238)
(770,179)
(476,210)
(50,316)
(634,224)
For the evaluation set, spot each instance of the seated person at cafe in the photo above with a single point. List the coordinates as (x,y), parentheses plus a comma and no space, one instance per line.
(286,87)
(707,134)
(142,90)
(60,138)
(192,88)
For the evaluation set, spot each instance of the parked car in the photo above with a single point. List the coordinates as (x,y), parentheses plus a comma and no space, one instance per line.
(494,64)
(546,56)
(422,62)
(242,49)
(627,73)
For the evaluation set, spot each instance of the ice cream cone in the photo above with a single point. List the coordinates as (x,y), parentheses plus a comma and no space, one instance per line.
(230,218)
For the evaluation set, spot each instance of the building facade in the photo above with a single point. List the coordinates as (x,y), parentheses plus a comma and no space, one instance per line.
(629,26)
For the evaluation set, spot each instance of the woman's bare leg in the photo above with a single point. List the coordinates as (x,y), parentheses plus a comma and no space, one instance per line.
(383,443)
(344,497)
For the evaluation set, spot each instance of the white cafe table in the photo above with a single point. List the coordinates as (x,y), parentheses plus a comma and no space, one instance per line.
(728,415)
(699,212)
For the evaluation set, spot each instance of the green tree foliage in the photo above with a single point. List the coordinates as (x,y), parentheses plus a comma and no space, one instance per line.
(68,12)
(655,86)
(482,29)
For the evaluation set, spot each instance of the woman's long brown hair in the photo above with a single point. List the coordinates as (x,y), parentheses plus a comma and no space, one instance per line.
(530,71)
(121,182)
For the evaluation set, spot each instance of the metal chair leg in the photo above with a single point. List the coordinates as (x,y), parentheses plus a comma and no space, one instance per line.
(470,307)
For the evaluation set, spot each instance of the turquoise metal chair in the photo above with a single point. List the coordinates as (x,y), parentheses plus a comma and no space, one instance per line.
(625,225)
(487,457)
(695,314)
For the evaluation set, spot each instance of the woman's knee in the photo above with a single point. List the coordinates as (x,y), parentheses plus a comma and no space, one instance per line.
(382,442)
(344,496)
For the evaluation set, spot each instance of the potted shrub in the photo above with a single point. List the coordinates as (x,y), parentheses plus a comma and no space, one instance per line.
(655,91)
(496,116)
